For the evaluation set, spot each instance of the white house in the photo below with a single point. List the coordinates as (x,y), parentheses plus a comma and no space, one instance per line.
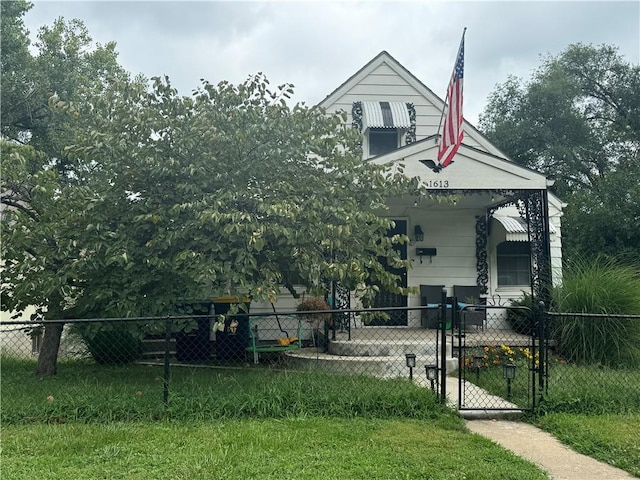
(500,229)
(487,222)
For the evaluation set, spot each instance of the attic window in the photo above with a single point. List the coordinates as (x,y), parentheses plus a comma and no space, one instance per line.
(373,117)
(382,140)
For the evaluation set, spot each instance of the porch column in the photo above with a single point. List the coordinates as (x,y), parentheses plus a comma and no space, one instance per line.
(534,208)
(482,266)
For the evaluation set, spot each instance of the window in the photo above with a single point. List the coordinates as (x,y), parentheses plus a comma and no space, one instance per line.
(382,140)
(514,261)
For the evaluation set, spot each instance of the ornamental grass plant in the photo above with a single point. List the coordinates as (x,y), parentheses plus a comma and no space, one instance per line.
(598,286)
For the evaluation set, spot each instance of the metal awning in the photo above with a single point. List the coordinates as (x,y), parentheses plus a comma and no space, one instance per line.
(385,115)
(516,228)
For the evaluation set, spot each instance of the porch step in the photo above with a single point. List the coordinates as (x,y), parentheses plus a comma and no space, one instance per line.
(383,366)
(388,348)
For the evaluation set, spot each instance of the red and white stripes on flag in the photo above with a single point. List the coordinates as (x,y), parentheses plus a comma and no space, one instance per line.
(452,133)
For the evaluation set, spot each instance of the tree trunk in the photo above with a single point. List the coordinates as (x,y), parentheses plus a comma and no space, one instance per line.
(48,358)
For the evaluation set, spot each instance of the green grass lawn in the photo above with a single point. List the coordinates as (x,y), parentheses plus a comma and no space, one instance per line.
(94,421)
(610,438)
(293,448)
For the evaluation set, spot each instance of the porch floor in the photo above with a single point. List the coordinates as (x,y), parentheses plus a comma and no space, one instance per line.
(473,337)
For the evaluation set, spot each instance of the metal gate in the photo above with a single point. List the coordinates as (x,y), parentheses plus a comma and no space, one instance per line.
(500,356)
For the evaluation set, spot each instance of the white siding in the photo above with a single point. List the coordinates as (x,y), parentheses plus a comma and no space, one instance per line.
(269,328)
(453,236)
(384,84)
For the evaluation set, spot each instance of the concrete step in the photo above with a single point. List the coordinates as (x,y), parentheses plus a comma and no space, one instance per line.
(382,366)
(386,348)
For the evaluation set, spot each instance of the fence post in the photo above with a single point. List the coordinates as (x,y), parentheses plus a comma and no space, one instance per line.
(167,356)
(443,350)
(542,351)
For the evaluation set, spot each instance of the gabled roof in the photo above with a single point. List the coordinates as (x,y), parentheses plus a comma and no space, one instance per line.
(385,58)
(493,168)
(382,57)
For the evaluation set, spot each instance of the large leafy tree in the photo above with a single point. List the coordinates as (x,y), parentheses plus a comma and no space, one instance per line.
(228,191)
(66,65)
(40,192)
(578,120)
(141,198)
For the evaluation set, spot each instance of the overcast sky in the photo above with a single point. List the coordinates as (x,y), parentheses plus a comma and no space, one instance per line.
(318,45)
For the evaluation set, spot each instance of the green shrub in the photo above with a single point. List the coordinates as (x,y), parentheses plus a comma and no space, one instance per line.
(521,320)
(599,286)
(113,347)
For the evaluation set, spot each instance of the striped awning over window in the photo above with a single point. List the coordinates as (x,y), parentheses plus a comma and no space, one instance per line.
(385,115)
(516,228)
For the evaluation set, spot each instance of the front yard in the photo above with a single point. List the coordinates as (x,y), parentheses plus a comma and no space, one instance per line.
(109,422)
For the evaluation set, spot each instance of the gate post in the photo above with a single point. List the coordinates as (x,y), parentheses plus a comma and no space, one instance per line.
(167,355)
(443,350)
(542,352)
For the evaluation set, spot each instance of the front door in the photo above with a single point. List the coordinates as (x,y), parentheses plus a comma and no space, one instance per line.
(387,299)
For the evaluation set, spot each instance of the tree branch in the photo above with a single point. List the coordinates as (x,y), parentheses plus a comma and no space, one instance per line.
(20,206)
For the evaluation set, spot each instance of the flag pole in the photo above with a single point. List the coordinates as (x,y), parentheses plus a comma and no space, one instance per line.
(446,106)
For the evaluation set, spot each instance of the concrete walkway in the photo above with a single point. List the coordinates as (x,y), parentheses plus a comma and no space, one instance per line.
(534,444)
(544,450)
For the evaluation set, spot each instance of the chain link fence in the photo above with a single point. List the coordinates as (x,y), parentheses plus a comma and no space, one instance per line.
(499,352)
(593,363)
(492,352)
(373,342)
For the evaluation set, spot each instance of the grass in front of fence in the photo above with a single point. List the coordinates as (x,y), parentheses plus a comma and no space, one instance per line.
(609,438)
(94,421)
(84,392)
(309,448)
(592,389)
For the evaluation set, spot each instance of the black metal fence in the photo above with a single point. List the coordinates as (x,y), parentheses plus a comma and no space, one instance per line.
(592,362)
(499,351)
(483,357)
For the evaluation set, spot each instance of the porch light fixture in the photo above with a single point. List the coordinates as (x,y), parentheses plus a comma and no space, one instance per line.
(418,234)
(411,362)
(509,373)
(432,373)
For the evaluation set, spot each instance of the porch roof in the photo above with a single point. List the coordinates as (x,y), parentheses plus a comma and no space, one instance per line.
(472,169)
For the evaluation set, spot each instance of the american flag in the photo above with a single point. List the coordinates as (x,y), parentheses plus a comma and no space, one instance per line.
(452,133)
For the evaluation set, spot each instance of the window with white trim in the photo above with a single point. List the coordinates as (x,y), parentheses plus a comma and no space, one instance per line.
(514,264)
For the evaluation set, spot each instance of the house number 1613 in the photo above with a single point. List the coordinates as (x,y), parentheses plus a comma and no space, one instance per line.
(437,183)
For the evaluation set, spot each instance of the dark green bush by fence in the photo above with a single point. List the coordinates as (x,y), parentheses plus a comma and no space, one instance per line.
(522,320)
(599,286)
(113,347)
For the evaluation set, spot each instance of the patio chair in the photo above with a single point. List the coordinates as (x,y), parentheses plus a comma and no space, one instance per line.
(431,296)
(470,295)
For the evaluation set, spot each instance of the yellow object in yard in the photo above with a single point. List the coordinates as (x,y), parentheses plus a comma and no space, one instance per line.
(287,340)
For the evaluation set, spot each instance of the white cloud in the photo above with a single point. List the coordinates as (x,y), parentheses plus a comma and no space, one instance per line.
(318,45)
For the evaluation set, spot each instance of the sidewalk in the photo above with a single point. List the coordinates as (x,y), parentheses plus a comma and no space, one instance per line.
(536,445)
(544,450)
